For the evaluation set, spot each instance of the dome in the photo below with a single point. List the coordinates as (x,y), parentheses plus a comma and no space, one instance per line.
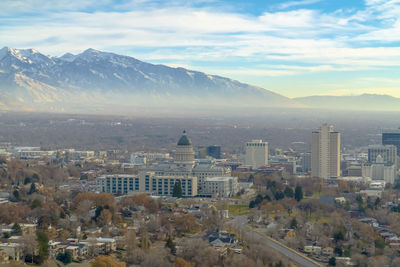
(184,140)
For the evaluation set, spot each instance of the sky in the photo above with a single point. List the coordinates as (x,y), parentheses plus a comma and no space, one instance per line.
(295,48)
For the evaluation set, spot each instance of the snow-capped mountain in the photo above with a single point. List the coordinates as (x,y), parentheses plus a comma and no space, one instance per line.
(30,80)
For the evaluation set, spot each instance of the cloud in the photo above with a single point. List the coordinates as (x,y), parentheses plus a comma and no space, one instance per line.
(288,42)
(297,3)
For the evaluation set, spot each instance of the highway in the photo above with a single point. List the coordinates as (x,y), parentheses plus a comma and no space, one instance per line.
(296,257)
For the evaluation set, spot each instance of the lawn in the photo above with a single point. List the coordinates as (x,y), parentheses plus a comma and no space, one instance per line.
(239,209)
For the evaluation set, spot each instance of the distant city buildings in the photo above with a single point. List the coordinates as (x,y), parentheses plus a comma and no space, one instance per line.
(392,137)
(382,163)
(214,151)
(256,154)
(325,153)
(159,179)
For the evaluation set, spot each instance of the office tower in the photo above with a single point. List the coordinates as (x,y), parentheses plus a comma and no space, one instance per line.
(392,138)
(325,153)
(306,162)
(256,154)
(214,151)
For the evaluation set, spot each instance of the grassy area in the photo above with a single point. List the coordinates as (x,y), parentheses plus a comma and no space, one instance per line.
(239,209)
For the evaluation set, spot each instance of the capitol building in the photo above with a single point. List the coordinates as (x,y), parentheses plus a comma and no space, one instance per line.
(197,178)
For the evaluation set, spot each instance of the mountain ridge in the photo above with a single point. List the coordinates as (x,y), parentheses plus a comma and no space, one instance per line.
(35,81)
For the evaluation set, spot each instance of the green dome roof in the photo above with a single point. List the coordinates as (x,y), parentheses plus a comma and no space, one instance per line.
(184,140)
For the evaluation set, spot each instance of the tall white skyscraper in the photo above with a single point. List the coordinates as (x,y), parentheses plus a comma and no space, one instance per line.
(256,154)
(325,153)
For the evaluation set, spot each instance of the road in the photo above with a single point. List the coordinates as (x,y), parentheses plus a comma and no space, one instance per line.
(294,256)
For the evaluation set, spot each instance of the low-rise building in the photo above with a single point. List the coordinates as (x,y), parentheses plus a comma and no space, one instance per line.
(221,186)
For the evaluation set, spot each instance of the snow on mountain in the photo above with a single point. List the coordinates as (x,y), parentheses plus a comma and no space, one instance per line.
(93,77)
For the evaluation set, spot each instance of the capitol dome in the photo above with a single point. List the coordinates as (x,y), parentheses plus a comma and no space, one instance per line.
(184,155)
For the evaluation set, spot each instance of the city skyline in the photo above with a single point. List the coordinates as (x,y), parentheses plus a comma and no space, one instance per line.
(323,48)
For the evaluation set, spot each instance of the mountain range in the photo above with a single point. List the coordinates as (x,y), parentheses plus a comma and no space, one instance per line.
(95,81)
(99,80)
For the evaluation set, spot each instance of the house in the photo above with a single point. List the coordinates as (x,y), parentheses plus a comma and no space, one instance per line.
(328,251)
(393,240)
(395,246)
(221,239)
(312,249)
(12,250)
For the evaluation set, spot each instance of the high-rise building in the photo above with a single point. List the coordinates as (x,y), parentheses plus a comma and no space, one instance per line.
(392,137)
(214,151)
(256,154)
(325,153)
(306,162)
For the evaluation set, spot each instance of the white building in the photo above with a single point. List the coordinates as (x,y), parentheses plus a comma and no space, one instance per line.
(380,171)
(146,183)
(256,154)
(118,183)
(221,186)
(325,153)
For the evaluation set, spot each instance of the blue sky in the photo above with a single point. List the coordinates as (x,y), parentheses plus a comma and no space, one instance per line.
(295,48)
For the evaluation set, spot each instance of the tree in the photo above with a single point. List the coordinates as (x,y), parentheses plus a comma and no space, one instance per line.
(177,192)
(16,229)
(298,193)
(130,246)
(332,261)
(293,223)
(27,180)
(338,251)
(180,262)
(105,217)
(106,261)
(16,195)
(288,192)
(43,242)
(65,258)
(171,245)
(379,243)
(32,189)
(36,204)
(279,195)
(145,242)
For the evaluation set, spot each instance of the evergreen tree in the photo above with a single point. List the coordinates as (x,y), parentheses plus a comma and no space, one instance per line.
(177,192)
(288,192)
(298,193)
(171,245)
(332,261)
(32,189)
(16,229)
(43,242)
(16,195)
(293,223)
(278,195)
(65,258)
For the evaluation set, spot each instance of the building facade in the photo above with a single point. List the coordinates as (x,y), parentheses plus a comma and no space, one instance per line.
(325,153)
(221,186)
(256,154)
(392,137)
(387,152)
